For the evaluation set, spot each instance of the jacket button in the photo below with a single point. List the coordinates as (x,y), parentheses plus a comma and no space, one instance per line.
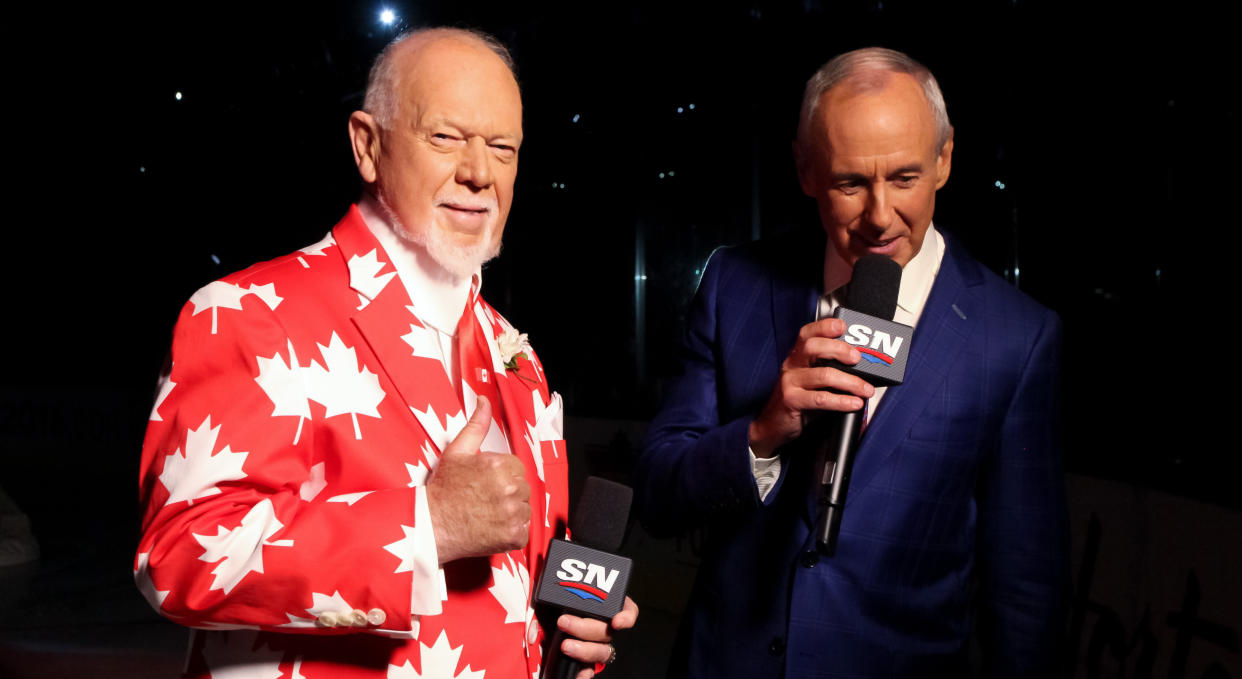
(376,616)
(356,618)
(809,559)
(777,646)
(329,619)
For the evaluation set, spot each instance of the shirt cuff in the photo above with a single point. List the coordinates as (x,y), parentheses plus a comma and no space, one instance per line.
(766,471)
(428,589)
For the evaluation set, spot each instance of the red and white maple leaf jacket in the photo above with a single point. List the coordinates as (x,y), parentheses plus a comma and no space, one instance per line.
(282,467)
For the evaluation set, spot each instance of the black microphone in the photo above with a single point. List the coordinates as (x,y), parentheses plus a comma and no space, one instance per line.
(585,577)
(868,309)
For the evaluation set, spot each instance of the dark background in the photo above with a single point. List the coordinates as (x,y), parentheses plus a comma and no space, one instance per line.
(1112,130)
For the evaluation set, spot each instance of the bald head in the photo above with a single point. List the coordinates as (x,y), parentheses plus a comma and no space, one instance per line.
(384,81)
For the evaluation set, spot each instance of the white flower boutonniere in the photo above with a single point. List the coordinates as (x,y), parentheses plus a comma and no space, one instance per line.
(513,344)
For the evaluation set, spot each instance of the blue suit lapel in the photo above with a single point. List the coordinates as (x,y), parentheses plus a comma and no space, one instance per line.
(948,319)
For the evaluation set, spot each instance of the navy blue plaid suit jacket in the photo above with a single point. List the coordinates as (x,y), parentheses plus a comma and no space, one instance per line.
(956,513)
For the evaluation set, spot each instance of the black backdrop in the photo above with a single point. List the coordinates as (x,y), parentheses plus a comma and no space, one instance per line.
(1111,129)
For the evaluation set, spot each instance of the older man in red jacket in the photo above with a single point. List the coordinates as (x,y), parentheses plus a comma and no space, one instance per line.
(314,493)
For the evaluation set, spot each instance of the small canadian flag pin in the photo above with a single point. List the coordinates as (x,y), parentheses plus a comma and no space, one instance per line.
(483,375)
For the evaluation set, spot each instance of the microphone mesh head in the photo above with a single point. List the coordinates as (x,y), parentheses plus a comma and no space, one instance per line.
(874,286)
(602,512)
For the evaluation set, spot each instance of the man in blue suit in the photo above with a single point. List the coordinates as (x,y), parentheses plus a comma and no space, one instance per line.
(955,521)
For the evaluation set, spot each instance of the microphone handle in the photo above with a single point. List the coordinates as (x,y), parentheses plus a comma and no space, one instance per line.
(834,466)
(558,665)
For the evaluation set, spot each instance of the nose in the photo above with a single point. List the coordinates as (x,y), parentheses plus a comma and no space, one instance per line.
(474,166)
(879,209)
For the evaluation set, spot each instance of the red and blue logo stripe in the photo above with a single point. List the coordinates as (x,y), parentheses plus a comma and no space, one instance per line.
(585,591)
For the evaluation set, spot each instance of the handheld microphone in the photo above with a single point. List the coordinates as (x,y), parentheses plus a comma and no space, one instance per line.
(585,577)
(884,345)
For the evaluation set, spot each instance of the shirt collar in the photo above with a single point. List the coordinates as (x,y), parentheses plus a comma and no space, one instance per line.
(438,297)
(916,278)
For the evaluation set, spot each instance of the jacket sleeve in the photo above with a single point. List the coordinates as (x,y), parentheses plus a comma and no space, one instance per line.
(1022,540)
(237,527)
(696,464)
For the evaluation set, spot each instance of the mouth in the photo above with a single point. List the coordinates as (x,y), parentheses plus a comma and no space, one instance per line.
(466,208)
(883,246)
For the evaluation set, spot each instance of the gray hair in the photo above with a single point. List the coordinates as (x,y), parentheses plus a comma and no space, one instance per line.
(381,96)
(878,61)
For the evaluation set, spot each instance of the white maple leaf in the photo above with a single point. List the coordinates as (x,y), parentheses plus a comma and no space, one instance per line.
(296,672)
(166,387)
(536,450)
(364,276)
(234,655)
(438,661)
(195,473)
(142,576)
(221,295)
(341,387)
(424,341)
(284,386)
(267,293)
(511,587)
(312,486)
(316,250)
(323,602)
(403,549)
(440,434)
(419,472)
(350,498)
(240,550)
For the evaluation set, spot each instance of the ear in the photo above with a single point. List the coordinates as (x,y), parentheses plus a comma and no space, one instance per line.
(364,139)
(944,162)
(806,173)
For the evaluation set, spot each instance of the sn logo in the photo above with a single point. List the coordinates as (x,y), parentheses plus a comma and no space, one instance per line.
(861,336)
(572,578)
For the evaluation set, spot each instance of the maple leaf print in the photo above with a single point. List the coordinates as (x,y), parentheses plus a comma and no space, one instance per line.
(365,278)
(235,655)
(194,474)
(323,602)
(341,387)
(440,434)
(422,340)
(350,498)
(536,450)
(142,577)
(240,550)
(312,486)
(419,472)
(166,387)
(511,587)
(284,386)
(221,295)
(403,549)
(316,250)
(438,661)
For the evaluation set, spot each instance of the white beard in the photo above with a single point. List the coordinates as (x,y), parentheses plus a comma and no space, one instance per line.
(460,261)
